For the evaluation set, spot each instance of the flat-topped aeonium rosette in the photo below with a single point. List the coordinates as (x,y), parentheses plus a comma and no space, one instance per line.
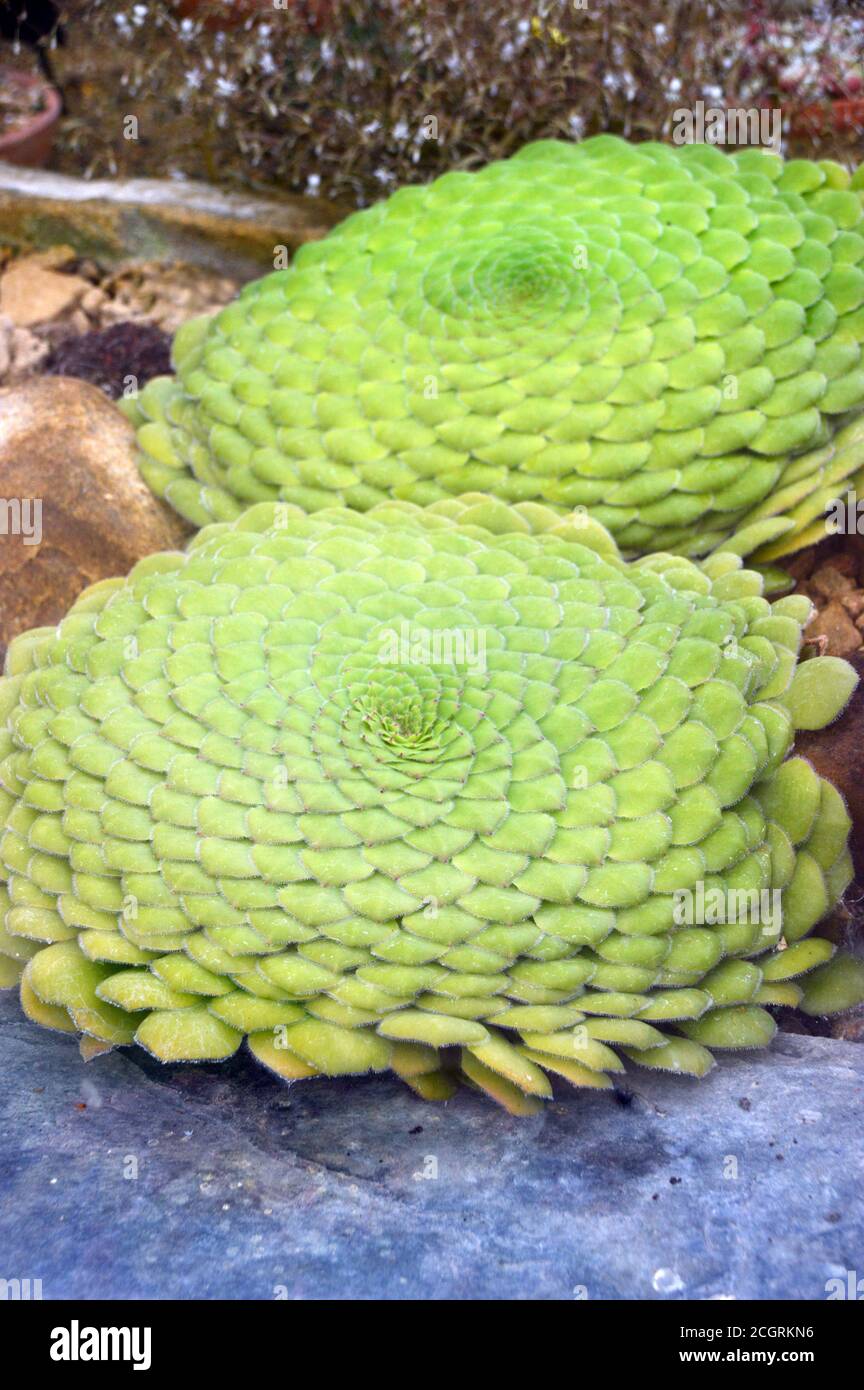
(668,336)
(421,789)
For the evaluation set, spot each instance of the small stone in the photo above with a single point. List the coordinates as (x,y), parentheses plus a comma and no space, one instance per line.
(802,564)
(829,580)
(30,295)
(78,322)
(20,351)
(52,258)
(164,294)
(849,1027)
(27,351)
(833,623)
(847,561)
(93,301)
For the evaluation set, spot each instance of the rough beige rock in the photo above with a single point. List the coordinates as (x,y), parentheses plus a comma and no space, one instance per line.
(854,604)
(65,445)
(834,624)
(160,292)
(20,351)
(55,257)
(831,580)
(30,294)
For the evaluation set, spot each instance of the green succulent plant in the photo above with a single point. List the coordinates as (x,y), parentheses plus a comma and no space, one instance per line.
(667,336)
(421,789)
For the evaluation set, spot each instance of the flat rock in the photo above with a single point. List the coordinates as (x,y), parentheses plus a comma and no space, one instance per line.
(744,1185)
(64,445)
(114,219)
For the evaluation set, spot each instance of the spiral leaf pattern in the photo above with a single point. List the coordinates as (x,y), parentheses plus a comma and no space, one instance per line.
(419,789)
(669,337)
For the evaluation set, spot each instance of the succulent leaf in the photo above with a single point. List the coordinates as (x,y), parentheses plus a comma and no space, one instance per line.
(820,690)
(834,987)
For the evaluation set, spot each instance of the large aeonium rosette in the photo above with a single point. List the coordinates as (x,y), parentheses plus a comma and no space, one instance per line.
(421,790)
(667,336)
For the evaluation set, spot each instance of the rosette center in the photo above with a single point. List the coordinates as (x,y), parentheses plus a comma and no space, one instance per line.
(523,273)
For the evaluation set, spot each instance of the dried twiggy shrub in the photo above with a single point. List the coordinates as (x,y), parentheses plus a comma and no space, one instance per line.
(350,98)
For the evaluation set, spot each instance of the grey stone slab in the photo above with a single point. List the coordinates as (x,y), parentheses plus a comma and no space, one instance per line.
(247,1188)
(114,219)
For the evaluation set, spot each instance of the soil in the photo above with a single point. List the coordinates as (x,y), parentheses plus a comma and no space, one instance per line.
(111,357)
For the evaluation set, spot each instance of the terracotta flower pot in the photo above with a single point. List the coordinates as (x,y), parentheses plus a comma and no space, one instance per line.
(30,141)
